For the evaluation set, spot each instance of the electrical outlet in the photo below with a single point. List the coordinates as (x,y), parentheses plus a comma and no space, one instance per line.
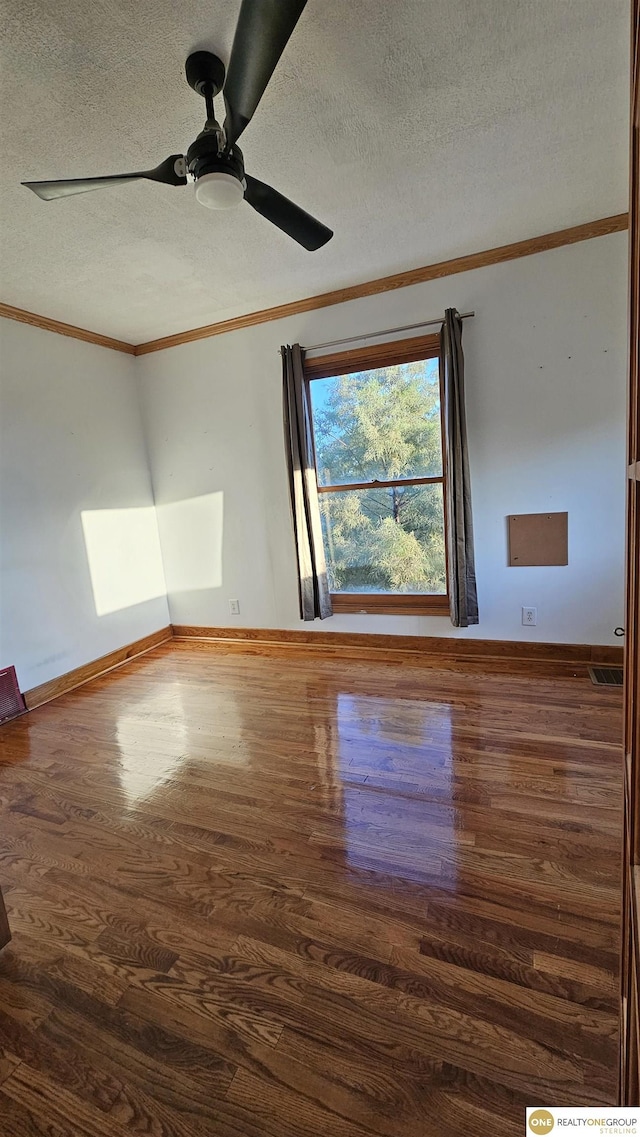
(529,617)
(234,608)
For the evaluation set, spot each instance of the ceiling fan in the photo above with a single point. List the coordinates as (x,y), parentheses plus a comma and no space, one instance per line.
(214,160)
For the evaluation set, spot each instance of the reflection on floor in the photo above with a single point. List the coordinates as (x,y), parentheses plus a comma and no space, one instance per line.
(257,896)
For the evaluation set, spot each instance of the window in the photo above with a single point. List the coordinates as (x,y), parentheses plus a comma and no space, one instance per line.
(378,441)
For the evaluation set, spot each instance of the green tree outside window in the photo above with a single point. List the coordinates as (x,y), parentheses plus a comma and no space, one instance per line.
(378,426)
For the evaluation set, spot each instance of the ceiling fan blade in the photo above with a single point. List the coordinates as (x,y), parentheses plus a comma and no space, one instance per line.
(293,220)
(167,173)
(264,26)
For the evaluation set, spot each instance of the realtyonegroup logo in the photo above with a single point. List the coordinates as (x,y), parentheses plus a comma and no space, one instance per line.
(541,1121)
(610,1121)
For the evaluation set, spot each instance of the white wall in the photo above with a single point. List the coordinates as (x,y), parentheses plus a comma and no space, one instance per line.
(80,567)
(545,364)
(71,442)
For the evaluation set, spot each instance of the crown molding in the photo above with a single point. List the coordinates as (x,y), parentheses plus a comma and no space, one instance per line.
(499,255)
(62,329)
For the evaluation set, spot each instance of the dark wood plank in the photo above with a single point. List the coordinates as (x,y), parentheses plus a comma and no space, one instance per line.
(5,933)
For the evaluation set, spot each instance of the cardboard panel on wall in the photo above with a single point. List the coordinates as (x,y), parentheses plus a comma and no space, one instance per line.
(538,539)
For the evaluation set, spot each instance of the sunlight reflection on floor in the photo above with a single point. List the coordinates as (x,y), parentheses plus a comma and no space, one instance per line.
(156,738)
(388,827)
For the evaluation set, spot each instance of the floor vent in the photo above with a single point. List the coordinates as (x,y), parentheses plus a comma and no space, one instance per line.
(606,676)
(12,703)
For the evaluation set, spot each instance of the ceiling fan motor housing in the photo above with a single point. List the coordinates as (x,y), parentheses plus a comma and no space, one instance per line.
(204,157)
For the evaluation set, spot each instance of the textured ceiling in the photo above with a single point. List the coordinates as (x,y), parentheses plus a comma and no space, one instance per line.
(417,129)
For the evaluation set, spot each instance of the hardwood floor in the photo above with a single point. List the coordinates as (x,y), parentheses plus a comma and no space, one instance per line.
(256,896)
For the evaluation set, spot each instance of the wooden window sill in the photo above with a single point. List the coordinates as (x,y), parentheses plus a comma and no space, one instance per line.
(400,604)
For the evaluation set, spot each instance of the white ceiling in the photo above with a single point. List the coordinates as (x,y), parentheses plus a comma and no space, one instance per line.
(417,129)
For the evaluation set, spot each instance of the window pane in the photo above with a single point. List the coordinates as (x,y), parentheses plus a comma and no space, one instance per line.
(385,540)
(378,425)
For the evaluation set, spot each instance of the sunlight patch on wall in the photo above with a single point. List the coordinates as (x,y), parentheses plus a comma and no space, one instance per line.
(191,533)
(123,552)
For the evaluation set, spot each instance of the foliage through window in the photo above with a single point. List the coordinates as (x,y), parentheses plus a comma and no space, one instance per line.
(379,465)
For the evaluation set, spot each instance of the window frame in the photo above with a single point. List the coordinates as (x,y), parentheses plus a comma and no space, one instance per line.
(366,359)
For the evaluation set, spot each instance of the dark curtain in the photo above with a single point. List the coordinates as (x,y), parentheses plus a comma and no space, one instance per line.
(313,587)
(461,562)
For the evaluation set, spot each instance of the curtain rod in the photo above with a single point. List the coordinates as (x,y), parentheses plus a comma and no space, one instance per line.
(385,332)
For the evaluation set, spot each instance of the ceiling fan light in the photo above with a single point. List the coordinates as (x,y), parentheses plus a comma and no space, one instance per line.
(219,190)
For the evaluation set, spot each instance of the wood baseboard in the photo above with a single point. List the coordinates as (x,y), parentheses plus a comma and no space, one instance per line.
(80,675)
(455,653)
(427,651)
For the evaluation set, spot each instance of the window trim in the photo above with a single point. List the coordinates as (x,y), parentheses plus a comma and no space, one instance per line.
(365,359)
